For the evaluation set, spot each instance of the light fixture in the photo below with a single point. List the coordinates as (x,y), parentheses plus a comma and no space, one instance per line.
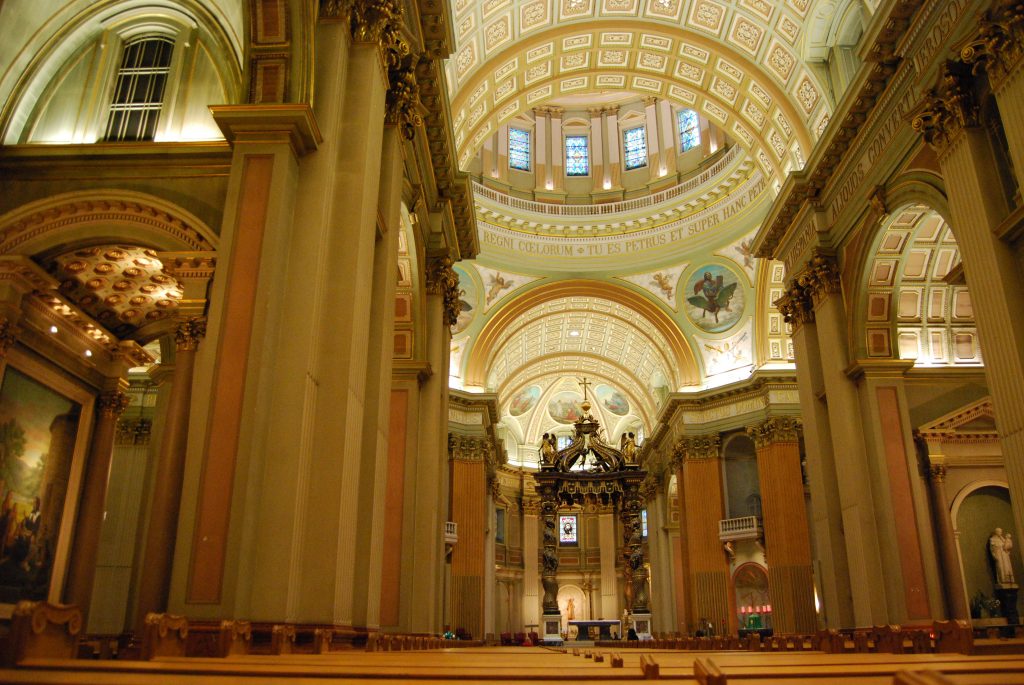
(88,353)
(574,334)
(53,329)
(607,185)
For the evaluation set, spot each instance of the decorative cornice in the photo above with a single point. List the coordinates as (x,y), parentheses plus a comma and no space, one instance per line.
(189,333)
(442,280)
(774,430)
(948,108)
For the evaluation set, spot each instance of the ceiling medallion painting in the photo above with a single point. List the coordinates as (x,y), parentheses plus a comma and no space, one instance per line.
(611,399)
(123,287)
(566,407)
(524,400)
(715,300)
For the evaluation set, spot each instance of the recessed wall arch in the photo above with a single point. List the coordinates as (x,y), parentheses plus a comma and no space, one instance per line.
(92,217)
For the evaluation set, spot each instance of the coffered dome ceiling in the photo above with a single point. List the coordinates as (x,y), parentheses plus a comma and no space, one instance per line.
(735,61)
(627,292)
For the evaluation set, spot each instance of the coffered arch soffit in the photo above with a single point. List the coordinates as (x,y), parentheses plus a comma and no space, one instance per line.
(706,55)
(569,323)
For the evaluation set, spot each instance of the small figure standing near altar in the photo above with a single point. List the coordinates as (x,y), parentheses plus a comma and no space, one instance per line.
(627,445)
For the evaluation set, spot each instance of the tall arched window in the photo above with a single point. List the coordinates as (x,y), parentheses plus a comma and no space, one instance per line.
(689,129)
(634,143)
(139,89)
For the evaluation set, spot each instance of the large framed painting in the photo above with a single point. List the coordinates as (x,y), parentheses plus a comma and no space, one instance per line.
(45,420)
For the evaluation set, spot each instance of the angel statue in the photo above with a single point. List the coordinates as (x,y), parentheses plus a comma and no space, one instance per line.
(712,295)
(627,445)
(548,446)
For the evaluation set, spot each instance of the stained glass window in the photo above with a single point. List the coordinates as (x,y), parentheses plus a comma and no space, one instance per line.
(577,156)
(139,89)
(519,149)
(643,518)
(567,530)
(634,141)
(689,129)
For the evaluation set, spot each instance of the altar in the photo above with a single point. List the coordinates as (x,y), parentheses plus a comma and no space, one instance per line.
(603,627)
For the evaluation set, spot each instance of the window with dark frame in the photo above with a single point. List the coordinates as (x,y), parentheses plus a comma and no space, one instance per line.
(139,89)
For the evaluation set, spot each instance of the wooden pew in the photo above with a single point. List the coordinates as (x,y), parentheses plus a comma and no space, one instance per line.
(41,629)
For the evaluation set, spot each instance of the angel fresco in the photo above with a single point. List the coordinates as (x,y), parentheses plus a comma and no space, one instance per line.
(712,295)
(716,303)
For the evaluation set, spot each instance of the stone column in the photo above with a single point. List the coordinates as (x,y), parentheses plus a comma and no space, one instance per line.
(557,171)
(901,498)
(684,614)
(952,574)
(654,163)
(541,168)
(826,523)
(110,404)
(669,137)
(531,575)
(660,554)
(431,493)
(998,49)
(609,605)
(950,124)
(613,148)
(703,497)
(158,555)
(366,585)
(859,524)
(597,155)
(468,505)
(787,540)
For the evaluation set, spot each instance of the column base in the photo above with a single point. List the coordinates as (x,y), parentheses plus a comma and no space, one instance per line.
(551,626)
(641,623)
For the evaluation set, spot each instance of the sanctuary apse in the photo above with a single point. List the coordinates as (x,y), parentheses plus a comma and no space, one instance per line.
(295,296)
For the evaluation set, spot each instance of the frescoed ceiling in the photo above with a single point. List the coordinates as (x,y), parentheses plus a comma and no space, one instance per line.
(664,295)
(735,61)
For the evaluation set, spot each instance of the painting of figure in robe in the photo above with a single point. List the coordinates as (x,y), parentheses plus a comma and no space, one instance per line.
(38,428)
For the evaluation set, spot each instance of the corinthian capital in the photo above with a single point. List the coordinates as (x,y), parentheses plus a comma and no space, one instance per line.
(189,333)
(9,332)
(699,447)
(402,107)
(999,43)
(775,429)
(947,109)
(374,20)
(821,277)
(442,280)
(112,404)
(795,306)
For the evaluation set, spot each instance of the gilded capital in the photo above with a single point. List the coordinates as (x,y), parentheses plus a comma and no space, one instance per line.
(112,404)
(775,429)
(699,447)
(795,306)
(820,278)
(442,280)
(650,487)
(937,472)
(189,333)
(374,21)
(999,42)
(948,108)
(402,106)
(9,332)
(336,10)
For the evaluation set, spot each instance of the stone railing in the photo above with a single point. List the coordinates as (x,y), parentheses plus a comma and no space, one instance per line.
(451,532)
(741,528)
(606,208)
